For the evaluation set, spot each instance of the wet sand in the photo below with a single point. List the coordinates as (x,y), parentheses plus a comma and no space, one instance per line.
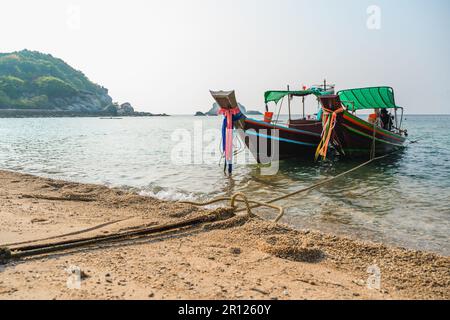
(239,258)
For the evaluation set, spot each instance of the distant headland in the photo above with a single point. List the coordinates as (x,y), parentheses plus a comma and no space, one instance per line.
(34,84)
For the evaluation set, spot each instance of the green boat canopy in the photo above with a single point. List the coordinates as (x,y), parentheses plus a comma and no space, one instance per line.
(276,96)
(368,98)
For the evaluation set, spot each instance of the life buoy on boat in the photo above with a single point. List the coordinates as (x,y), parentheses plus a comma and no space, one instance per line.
(268,116)
(373,118)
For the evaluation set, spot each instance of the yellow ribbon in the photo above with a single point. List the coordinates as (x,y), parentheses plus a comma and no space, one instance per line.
(328,123)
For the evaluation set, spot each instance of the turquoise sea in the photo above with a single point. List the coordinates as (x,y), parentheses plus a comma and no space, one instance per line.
(402,200)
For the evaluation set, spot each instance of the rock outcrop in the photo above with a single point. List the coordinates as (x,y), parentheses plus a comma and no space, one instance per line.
(125,109)
(215,109)
(82,102)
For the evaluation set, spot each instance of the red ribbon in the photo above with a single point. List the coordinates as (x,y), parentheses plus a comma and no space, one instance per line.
(229,113)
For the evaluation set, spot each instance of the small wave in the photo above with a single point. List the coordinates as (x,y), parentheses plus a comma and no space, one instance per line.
(173,194)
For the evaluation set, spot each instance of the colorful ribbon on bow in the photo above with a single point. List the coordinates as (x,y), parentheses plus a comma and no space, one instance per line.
(328,123)
(230,115)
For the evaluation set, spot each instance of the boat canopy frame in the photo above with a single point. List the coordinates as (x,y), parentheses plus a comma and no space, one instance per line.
(372,98)
(278,95)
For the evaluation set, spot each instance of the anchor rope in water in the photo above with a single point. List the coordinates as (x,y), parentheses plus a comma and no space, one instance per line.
(268,203)
(7,254)
(236,151)
(329,122)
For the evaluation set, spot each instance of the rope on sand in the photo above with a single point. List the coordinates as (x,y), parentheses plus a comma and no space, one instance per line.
(70,197)
(6,254)
(99,226)
(233,199)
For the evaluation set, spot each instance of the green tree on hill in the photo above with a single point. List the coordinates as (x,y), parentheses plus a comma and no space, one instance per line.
(54,87)
(13,86)
(30,79)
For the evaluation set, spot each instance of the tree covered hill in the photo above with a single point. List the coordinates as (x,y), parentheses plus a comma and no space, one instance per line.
(34,80)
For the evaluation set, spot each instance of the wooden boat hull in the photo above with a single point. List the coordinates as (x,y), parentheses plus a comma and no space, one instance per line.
(268,142)
(356,137)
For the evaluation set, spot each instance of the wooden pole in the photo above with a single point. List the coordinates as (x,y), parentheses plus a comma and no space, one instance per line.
(303,101)
(289,104)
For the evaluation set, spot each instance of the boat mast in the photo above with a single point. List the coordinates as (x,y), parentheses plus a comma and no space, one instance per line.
(303,101)
(289,104)
(324,89)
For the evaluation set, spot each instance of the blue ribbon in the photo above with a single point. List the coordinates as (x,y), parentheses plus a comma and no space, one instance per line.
(236,117)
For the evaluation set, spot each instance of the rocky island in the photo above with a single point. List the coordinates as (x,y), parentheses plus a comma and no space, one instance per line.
(34,84)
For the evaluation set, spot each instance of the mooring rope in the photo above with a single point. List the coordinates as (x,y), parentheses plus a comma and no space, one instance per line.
(233,200)
(268,203)
(372,151)
(99,226)
(7,254)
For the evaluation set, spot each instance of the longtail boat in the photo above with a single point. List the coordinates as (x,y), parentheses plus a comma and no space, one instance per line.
(270,139)
(352,136)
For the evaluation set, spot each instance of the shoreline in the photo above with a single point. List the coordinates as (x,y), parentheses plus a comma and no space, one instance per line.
(43,113)
(238,258)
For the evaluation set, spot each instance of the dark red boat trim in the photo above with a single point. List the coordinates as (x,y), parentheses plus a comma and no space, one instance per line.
(271,126)
(370,128)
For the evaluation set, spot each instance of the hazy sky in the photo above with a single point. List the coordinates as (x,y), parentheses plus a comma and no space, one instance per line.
(164,56)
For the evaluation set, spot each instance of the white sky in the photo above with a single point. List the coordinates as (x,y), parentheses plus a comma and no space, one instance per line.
(164,56)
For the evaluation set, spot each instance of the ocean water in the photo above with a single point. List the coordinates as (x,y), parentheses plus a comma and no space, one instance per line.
(402,200)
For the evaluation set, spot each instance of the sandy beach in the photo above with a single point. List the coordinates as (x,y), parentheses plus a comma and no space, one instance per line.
(238,258)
